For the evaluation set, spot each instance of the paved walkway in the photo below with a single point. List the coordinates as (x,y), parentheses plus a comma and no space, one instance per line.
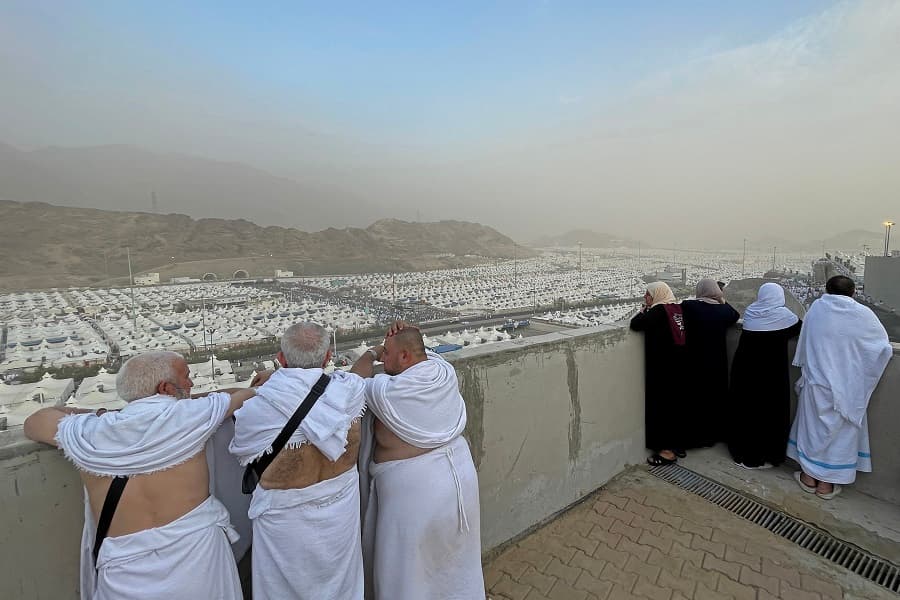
(640,537)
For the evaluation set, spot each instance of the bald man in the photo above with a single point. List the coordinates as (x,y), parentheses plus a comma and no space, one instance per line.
(421,531)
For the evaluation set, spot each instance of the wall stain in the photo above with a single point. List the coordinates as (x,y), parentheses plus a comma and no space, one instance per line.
(575,412)
(472,387)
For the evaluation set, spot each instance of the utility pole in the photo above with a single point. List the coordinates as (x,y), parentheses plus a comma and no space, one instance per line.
(131,284)
(744,261)
(774,250)
(579,256)
(887,237)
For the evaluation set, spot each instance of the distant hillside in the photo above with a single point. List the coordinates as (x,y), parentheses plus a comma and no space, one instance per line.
(587,238)
(126,178)
(53,246)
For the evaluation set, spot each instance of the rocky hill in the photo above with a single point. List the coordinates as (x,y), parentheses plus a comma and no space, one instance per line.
(53,246)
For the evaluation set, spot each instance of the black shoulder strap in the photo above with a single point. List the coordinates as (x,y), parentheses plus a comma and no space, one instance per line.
(266,459)
(109,509)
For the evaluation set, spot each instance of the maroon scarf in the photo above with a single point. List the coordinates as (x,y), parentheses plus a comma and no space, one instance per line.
(676,322)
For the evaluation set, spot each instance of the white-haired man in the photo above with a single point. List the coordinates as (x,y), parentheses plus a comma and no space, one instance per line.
(168,537)
(305,509)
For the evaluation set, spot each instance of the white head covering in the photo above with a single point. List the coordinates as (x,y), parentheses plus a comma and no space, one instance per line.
(661,293)
(769,313)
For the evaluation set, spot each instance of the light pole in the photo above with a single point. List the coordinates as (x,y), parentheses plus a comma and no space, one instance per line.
(744,260)
(887,237)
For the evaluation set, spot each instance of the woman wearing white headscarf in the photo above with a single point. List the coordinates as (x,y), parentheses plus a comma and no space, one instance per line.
(661,321)
(760,396)
(707,320)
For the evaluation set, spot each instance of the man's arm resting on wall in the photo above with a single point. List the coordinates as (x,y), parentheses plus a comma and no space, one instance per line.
(42,425)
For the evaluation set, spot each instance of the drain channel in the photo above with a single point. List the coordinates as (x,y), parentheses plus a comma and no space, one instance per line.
(806,536)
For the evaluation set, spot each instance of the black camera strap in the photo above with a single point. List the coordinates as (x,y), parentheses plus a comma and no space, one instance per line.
(253,472)
(113,495)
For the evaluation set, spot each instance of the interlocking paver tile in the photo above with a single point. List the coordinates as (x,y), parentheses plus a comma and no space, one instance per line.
(616,557)
(711,563)
(614,574)
(670,520)
(668,562)
(592,584)
(688,554)
(648,590)
(751,577)
(702,530)
(705,593)
(729,538)
(564,591)
(736,589)
(589,555)
(511,589)
(654,527)
(743,558)
(717,549)
(639,509)
(654,541)
(602,534)
(789,592)
(642,569)
(785,574)
(537,580)
(632,533)
(618,514)
(675,582)
(591,564)
(638,550)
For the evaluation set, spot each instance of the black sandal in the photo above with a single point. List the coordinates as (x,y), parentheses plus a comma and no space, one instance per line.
(658,461)
(680,453)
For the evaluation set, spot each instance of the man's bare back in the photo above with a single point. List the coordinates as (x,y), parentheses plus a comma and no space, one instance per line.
(297,468)
(389,447)
(152,500)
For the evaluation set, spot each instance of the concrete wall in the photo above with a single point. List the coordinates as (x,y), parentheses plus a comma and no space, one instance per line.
(882,279)
(551,418)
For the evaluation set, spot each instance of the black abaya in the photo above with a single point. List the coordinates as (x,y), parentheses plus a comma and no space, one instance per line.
(663,370)
(706,376)
(759,408)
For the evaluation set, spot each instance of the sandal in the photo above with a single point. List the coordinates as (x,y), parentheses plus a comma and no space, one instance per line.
(680,453)
(656,460)
(803,486)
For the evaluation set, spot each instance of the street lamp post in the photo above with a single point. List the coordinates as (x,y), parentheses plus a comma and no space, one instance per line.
(887,237)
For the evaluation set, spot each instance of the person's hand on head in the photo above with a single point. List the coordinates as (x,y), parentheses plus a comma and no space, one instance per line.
(397,326)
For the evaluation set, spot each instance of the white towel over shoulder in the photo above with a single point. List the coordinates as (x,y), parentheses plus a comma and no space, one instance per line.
(263,417)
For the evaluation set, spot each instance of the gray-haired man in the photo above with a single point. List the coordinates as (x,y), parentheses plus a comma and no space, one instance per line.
(305,509)
(168,538)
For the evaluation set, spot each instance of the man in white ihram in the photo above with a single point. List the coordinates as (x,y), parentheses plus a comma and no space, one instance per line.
(169,538)
(842,352)
(305,508)
(421,533)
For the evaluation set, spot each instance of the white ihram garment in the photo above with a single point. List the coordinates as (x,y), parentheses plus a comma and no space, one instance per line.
(306,542)
(188,558)
(422,528)
(843,351)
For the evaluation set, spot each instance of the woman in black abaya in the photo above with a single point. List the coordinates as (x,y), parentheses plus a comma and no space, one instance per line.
(759,410)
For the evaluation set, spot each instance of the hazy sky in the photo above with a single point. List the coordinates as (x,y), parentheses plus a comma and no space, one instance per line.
(675,121)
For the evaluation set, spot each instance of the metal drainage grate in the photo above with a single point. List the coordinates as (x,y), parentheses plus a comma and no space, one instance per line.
(841,553)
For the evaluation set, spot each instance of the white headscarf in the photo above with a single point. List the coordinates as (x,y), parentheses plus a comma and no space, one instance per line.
(660,293)
(769,313)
